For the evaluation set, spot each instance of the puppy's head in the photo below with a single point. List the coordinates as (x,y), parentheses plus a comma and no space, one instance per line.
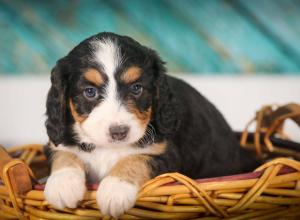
(105,92)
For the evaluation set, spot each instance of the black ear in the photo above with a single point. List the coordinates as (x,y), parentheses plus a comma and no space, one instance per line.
(56,105)
(166,107)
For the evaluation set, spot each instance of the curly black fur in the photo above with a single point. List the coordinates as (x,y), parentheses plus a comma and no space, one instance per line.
(56,106)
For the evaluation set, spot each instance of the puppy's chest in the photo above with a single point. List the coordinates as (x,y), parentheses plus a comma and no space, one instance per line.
(99,162)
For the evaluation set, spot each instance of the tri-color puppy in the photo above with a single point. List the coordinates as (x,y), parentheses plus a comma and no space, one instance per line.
(115,117)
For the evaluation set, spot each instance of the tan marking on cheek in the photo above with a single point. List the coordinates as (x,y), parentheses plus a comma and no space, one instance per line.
(131,75)
(143,117)
(94,77)
(133,169)
(62,159)
(76,116)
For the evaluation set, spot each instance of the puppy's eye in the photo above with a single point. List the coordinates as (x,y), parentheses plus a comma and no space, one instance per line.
(136,89)
(90,93)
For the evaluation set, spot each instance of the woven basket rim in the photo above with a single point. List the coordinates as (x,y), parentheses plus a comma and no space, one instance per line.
(242,176)
(174,196)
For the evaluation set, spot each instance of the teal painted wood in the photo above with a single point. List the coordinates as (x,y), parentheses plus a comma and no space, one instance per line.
(213,36)
(8,37)
(226,30)
(281,25)
(183,43)
(23,45)
(63,32)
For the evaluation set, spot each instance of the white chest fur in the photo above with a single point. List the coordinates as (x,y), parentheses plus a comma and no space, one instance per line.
(100,161)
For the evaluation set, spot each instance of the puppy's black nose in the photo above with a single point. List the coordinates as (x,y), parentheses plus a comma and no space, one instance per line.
(118,132)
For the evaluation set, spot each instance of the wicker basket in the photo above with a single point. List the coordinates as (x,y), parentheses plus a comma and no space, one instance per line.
(272,191)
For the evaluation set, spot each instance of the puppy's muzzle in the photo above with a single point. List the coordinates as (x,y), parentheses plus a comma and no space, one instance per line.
(118,132)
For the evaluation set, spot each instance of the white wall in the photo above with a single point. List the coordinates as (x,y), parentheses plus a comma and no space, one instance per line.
(22,101)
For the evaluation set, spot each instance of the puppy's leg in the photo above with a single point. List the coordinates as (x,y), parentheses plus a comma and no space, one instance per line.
(118,191)
(65,186)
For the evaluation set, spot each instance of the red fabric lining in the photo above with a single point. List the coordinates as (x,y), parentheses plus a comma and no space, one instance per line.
(244,176)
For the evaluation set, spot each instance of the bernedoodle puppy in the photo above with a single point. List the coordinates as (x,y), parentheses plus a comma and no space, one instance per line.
(115,117)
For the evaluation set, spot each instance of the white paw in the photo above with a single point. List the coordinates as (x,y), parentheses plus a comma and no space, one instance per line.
(65,188)
(116,196)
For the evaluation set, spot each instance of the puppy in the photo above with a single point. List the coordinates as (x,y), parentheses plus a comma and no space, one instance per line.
(115,117)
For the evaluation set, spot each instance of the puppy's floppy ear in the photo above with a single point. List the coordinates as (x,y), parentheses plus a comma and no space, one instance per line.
(166,107)
(56,105)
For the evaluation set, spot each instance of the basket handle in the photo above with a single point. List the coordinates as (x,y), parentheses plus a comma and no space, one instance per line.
(15,173)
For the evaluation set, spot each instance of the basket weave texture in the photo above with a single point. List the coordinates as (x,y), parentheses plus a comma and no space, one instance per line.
(272,191)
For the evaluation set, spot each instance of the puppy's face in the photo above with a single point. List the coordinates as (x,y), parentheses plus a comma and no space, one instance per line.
(111,103)
(108,91)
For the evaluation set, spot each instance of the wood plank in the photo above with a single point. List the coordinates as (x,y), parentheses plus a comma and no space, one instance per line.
(183,44)
(192,36)
(248,47)
(282,21)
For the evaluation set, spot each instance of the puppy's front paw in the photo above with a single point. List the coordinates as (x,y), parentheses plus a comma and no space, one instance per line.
(65,188)
(116,196)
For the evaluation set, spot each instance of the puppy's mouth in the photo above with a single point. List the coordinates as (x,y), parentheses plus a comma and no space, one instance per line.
(114,141)
(147,139)
(141,137)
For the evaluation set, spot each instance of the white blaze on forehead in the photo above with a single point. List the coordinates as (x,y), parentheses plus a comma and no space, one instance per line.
(107,54)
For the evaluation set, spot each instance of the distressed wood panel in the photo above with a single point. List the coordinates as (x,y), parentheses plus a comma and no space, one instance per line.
(215,36)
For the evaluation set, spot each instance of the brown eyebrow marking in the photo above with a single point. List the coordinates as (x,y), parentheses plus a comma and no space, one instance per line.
(94,76)
(76,116)
(131,74)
